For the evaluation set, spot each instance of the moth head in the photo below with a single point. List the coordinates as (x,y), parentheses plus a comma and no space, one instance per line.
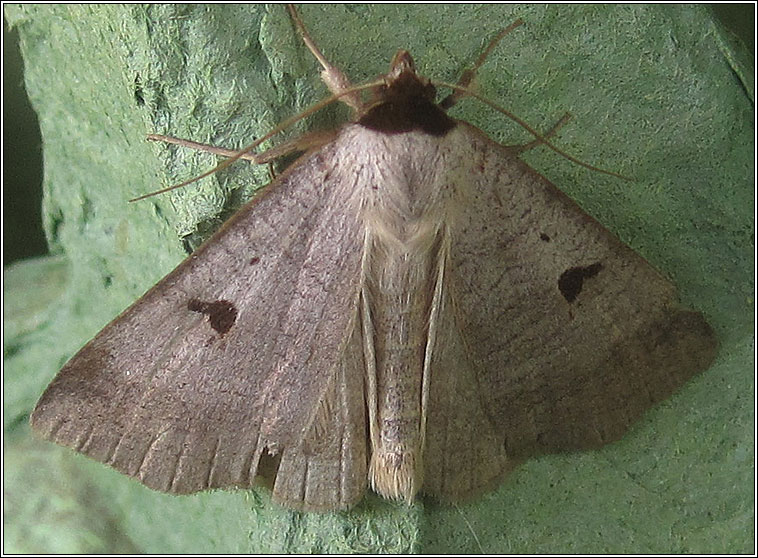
(401,63)
(404,101)
(403,82)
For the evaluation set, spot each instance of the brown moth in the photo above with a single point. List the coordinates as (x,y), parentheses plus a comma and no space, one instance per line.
(408,307)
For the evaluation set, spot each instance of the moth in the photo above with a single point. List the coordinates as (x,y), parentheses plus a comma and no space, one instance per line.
(408,307)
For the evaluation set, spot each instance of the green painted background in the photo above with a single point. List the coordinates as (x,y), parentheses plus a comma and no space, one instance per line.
(659,93)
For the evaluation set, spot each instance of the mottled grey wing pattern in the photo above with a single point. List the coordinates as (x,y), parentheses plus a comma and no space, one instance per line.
(230,354)
(570,333)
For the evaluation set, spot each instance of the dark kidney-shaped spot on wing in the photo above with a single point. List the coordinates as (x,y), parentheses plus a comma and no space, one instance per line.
(221,314)
(570,282)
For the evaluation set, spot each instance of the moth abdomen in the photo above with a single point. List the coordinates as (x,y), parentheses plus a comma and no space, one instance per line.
(396,474)
(400,288)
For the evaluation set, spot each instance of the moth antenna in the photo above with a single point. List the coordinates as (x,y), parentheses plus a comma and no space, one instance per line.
(529,129)
(202,147)
(550,133)
(283,126)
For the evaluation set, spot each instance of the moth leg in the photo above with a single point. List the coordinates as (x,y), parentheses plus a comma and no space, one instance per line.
(468,75)
(335,80)
(308,140)
(304,142)
(519,149)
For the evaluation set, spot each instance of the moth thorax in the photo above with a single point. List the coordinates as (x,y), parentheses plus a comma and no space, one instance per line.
(396,475)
